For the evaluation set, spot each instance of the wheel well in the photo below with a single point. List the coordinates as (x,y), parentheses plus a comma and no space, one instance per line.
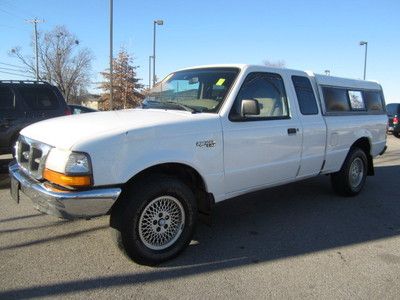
(364,144)
(186,174)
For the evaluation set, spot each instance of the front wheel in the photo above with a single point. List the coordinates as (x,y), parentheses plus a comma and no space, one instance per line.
(350,180)
(157,221)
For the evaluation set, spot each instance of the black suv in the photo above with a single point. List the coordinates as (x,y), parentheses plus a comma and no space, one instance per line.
(393,111)
(23,103)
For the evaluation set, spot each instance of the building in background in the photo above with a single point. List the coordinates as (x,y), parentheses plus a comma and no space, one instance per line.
(91,100)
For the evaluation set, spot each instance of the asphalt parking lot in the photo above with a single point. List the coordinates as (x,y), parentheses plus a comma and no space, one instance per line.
(294,241)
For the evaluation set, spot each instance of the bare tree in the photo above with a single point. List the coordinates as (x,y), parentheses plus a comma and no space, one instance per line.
(62,63)
(126,86)
(275,64)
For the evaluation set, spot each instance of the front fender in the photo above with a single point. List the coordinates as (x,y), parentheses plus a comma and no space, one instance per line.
(130,153)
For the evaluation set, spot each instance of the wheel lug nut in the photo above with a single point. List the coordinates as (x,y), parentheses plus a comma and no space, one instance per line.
(166,226)
(166,217)
(160,215)
(158,229)
(155,222)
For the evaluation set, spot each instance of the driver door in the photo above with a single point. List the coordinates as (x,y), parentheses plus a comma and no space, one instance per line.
(265,149)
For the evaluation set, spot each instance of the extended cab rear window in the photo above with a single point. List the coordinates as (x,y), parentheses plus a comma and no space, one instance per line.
(305,95)
(39,98)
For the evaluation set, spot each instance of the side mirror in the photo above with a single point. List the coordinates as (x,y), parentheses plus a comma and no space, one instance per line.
(249,107)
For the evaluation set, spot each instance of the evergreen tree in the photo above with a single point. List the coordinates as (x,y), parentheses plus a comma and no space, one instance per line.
(126,86)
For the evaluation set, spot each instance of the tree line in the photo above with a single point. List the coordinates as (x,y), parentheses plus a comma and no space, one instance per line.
(67,65)
(64,63)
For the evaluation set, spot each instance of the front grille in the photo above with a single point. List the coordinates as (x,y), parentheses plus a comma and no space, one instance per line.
(31,156)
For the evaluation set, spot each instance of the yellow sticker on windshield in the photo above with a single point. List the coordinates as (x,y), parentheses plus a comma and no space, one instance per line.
(220,81)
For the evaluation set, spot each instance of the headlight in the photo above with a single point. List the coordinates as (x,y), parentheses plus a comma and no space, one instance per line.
(70,169)
(78,163)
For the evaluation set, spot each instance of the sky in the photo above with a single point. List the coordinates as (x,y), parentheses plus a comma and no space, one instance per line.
(306,35)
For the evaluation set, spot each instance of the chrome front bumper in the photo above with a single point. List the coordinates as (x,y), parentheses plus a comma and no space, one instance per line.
(69,204)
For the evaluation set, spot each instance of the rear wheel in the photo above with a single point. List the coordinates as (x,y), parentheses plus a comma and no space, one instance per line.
(350,180)
(157,221)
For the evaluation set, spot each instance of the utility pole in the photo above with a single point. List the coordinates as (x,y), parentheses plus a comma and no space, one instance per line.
(111,55)
(35,21)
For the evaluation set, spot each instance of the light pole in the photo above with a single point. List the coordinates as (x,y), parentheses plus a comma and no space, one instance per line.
(155,23)
(150,57)
(364,43)
(111,55)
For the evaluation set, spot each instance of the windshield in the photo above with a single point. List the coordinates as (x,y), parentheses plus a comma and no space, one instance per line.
(197,90)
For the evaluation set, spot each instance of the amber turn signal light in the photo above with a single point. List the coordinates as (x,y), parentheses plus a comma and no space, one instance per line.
(67,180)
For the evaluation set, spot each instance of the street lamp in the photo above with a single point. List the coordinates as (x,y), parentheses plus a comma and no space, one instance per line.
(155,23)
(364,43)
(111,56)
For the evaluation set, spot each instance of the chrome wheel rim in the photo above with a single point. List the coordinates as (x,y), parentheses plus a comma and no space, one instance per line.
(356,172)
(161,223)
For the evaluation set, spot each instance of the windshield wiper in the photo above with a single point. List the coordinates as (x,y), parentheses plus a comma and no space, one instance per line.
(183,106)
(170,103)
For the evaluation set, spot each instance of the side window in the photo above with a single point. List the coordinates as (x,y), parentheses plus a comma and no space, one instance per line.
(218,92)
(7,99)
(269,91)
(336,99)
(373,100)
(39,98)
(356,100)
(305,95)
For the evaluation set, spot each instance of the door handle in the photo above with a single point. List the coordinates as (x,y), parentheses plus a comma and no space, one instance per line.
(291,131)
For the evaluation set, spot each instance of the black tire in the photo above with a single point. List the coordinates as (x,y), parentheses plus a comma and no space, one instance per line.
(343,182)
(396,134)
(126,219)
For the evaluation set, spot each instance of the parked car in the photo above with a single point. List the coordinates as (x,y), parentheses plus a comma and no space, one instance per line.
(393,111)
(203,135)
(80,109)
(23,103)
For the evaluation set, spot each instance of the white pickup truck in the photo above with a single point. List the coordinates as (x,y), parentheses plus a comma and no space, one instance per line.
(202,135)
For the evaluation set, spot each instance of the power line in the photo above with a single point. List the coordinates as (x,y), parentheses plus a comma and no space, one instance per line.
(14,70)
(16,8)
(15,74)
(12,27)
(11,14)
(11,65)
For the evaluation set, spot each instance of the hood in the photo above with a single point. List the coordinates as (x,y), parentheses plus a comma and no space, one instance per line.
(64,132)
